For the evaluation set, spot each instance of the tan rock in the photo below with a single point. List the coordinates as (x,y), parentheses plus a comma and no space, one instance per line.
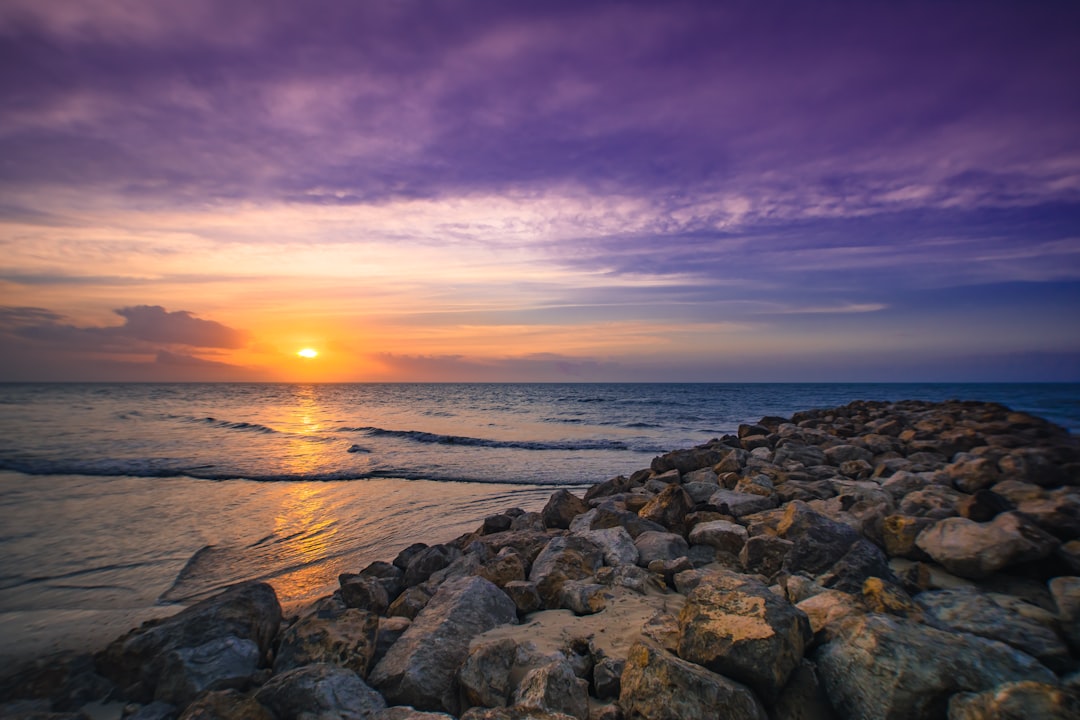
(347,639)
(1016,700)
(977,550)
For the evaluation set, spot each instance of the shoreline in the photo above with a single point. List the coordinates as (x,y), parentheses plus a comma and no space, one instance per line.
(811,548)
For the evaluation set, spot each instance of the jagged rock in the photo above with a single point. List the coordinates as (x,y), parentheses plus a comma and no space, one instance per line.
(764,554)
(933,501)
(827,609)
(347,639)
(248,611)
(795,453)
(485,674)
(663,629)
(699,492)
(428,561)
(529,522)
(496,523)
(390,576)
(733,462)
(704,476)
(364,593)
(661,481)
(562,507)
(322,691)
(614,486)
(606,677)
(840,454)
(977,550)
(899,533)
(221,664)
(972,473)
(1057,514)
(554,688)
(421,667)
(68,681)
(734,625)
(513,713)
(633,577)
(668,508)
(983,506)
(405,556)
(803,698)
(720,534)
(404,712)
(669,569)
(570,557)
(659,546)
(759,484)
(738,504)
(604,517)
(863,560)
(617,545)
(686,461)
(1016,701)
(507,566)
(1017,492)
(885,667)
(819,541)
(1066,593)
(583,598)
(527,543)
(409,603)
(1032,465)
(390,629)
(525,596)
(971,611)
(886,598)
(220,705)
(659,686)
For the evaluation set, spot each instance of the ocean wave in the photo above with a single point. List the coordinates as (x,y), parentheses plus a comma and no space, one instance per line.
(428,438)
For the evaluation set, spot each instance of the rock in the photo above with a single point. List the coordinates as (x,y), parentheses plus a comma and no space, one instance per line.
(734,625)
(614,486)
(933,501)
(390,576)
(759,484)
(659,686)
(899,533)
(570,557)
(527,543)
(158,710)
(320,691)
(606,677)
(660,482)
(1058,514)
(248,611)
(562,507)
(686,461)
(668,508)
(880,596)
(738,504)
(68,682)
(390,629)
(793,453)
(764,554)
(405,556)
(507,566)
(659,546)
(670,569)
(347,639)
(699,492)
(485,675)
(633,577)
(983,506)
(404,712)
(972,473)
(219,705)
(603,517)
(840,454)
(583,598)
(733,462)
(1066,593)
(819,541)
(221,664)
(826,610)
(704,476)
(513,713)
(977,550)
(663,629)
(496,524)
(427,562)
(863,560)
(617,545)
(971,611)
(802,698)
(421,667)
(1016,701)
(720,534)
(530,522)
(1070,553)
(525,596)
(364,593)
(884,667)
(409,603)
(554,688)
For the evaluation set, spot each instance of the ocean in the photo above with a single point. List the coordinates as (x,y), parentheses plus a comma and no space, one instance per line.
(119,502)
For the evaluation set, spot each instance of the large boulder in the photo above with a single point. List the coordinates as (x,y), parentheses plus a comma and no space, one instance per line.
(971,611)
(427,562)
(217,705)
(978,550)
(570,557)
(738,504)
(221,664)
(420,669)
(561,509)
(617,545)
(321,691)
(347,639)
(1016,701)
(669,507)
(656,685)
(686,461)
(608,517)
(248,611)
(554,687)
(720,534)
(485,675)
(819,540)
(734,625)
(662,546)
(880,667)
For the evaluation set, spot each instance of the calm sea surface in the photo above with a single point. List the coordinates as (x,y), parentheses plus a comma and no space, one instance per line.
(121,497)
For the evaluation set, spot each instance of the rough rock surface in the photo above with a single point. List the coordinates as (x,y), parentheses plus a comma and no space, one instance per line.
(978,550)
(1016,701)
(554,688)
(347,639)
(320,691)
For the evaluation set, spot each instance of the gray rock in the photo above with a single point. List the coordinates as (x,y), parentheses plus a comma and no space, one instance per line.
(323,691)
(1016,701)
(1066,593)
(583,598)
(839,454)
(569,557)
(882,667)
(404,712)
(700,492)
(554,688)
(971,473)
(738,504)
(720,534)
(764,554)
(248,611)
(606,675)
(686,461)
(933,501)
(669,507)
(525,596)
(617,545)
(704,476)
(1057,514)
(561,509)
(656,685)
(216,705)
(428,561)
(978,550)
(863,560)
(605,517)
(156,710)
(347,639)
(390,629)
(794,453)
(485,675)
(971,611)
(659,546)
(803,698)
(364,593)
(632,577)
(420,669)
(409,603)
(819,541)
(734,625)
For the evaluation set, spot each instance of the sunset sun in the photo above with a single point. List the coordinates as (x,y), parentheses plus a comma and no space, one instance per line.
(308,353)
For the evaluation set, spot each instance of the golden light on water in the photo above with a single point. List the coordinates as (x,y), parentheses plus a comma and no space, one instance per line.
(308,353)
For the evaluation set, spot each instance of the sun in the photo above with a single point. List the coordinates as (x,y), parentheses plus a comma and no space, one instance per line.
(308,353)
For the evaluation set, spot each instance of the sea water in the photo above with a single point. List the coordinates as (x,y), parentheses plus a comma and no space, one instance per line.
(122,498)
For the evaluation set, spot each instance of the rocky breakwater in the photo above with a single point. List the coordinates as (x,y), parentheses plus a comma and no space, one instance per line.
(906,560)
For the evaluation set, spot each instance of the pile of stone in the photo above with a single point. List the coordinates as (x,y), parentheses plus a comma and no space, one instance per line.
(878,560)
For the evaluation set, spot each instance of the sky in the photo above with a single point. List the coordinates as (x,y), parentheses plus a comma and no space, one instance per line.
(424,190)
